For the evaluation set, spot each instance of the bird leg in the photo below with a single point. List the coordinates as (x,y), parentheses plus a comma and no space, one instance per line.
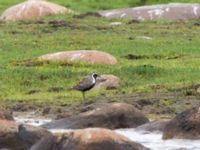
(83,96)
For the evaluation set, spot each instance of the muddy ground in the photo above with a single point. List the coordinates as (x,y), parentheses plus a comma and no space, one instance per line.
(156,105)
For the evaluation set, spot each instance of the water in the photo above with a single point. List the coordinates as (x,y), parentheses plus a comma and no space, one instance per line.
(30,118)
(32,121)
(152,140)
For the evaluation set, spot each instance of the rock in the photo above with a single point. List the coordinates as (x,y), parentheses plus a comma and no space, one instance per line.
(108,82)
(186,125)
(198,90)
(8,136)
(46,143)
(153,126)
(112,116)
(172,11)
(32,9)
(30,135)
(24,138)
(5,114)
(88,56)
(88,139)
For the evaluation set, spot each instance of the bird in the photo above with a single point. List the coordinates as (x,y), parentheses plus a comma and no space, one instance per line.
(86,84)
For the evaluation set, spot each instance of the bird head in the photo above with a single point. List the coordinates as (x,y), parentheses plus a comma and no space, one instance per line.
(95,75)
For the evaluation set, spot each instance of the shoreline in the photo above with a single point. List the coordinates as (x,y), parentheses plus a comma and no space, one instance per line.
(159,105)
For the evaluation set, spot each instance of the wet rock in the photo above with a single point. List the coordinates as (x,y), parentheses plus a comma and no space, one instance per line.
(88,56)
(30,135)
(108,82)
(112,116)
(153,126)
(184,126)
(46,143)
(172,11)
(32,9)
(8,135)
(88,139)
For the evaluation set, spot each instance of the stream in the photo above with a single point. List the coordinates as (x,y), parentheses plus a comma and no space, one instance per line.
(152,140)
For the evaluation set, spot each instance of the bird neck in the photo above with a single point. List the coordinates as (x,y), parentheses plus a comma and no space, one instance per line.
(93,80)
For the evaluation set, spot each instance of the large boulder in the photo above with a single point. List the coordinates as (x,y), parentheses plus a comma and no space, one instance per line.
(9,135)
(30,134)
(153,126)
(172,11)
(186,125)
(88,139)
(112,116)
(19,137)
(88,56)
(107,82)
(32,9)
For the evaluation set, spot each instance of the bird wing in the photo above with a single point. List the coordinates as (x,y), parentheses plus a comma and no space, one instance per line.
(84,83)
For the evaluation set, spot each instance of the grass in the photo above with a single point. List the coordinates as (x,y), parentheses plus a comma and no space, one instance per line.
(171,56)
(93,5)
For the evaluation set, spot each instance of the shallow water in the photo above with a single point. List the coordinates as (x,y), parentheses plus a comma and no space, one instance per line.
(152,140)
(32,121)
(30,118)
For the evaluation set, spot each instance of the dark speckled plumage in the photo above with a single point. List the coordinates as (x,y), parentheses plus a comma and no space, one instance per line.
(86,83)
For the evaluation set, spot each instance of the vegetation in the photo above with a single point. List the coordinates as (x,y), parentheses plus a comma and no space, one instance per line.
(168,53)
(93,5)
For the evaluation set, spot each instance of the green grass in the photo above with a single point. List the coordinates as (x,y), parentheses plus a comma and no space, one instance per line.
(93,5)
(172,56)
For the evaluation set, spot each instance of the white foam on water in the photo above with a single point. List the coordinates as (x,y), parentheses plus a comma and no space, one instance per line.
(153,140)
(60,130)
(32,121)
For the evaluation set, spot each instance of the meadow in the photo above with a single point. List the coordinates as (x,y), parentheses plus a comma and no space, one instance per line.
(168,52)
